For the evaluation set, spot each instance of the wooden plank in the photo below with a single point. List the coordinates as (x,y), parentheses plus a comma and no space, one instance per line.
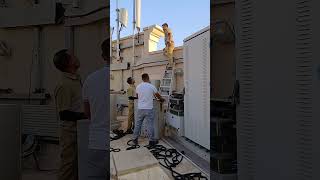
(133,160)
(147,174)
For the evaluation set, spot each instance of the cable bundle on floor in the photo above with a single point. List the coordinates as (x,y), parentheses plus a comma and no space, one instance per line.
(132,146)
(119,134)
(114,149)
(172,158)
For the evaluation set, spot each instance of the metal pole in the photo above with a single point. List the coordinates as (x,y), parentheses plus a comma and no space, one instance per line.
(39,71)
(118,32)
(111,33)
(133,37)
(118,43)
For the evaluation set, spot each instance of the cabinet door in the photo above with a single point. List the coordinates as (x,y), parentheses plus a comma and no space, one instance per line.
(10,166)
(197,89)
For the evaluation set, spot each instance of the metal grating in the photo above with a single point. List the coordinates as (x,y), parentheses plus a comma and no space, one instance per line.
(246,117)
(40,120)
(304,90)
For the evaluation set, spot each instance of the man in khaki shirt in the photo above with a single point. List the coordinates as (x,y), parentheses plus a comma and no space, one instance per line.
(69,106)
(131,92)
(168,40)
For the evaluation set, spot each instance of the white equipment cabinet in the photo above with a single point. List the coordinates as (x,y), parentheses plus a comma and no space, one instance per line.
(278,118)
(176,122)
(197,87)
(10,139)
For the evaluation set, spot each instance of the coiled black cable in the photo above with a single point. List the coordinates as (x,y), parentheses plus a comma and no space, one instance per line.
(132,146)
(114,149)
(172,158)
(119,134)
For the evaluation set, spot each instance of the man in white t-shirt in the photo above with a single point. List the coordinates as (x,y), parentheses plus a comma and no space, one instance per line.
(146,93)
(96,106)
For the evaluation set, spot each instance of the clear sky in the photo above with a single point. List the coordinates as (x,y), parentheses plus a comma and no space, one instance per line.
(183,16)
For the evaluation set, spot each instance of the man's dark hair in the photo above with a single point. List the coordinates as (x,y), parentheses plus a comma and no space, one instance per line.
(145,77)
(61,59)
(129,80)
(165,24)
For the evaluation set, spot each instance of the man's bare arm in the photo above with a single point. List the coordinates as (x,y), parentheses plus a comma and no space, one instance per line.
(158,96)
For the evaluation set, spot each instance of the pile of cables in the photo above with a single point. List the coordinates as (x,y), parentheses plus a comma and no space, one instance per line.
(171,158)
(118,134)
(29,145)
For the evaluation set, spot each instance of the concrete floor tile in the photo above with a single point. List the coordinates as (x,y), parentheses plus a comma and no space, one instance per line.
(134,160)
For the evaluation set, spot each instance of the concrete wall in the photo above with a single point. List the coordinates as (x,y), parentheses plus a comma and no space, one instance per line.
(148,59)
(16,68)
(16,71)
(87,49)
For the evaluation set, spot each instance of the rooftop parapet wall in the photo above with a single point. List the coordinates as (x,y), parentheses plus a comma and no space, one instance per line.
(148,59)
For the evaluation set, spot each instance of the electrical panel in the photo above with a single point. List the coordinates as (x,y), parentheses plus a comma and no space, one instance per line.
(175,115)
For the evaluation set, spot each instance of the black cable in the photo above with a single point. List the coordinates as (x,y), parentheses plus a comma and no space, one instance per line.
(32,151)
(30,77)
(119,134)
(132,146)
(172,158)
(114,149)
(28,152)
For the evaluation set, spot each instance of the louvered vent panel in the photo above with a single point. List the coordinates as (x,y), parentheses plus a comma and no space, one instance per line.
(40,120)
(197,85)
(205,80)
(246,117)
(304,90)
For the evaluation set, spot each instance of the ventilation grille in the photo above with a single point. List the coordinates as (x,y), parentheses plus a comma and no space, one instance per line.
(40,120)
(304,90)
(246,118)
(205,79)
